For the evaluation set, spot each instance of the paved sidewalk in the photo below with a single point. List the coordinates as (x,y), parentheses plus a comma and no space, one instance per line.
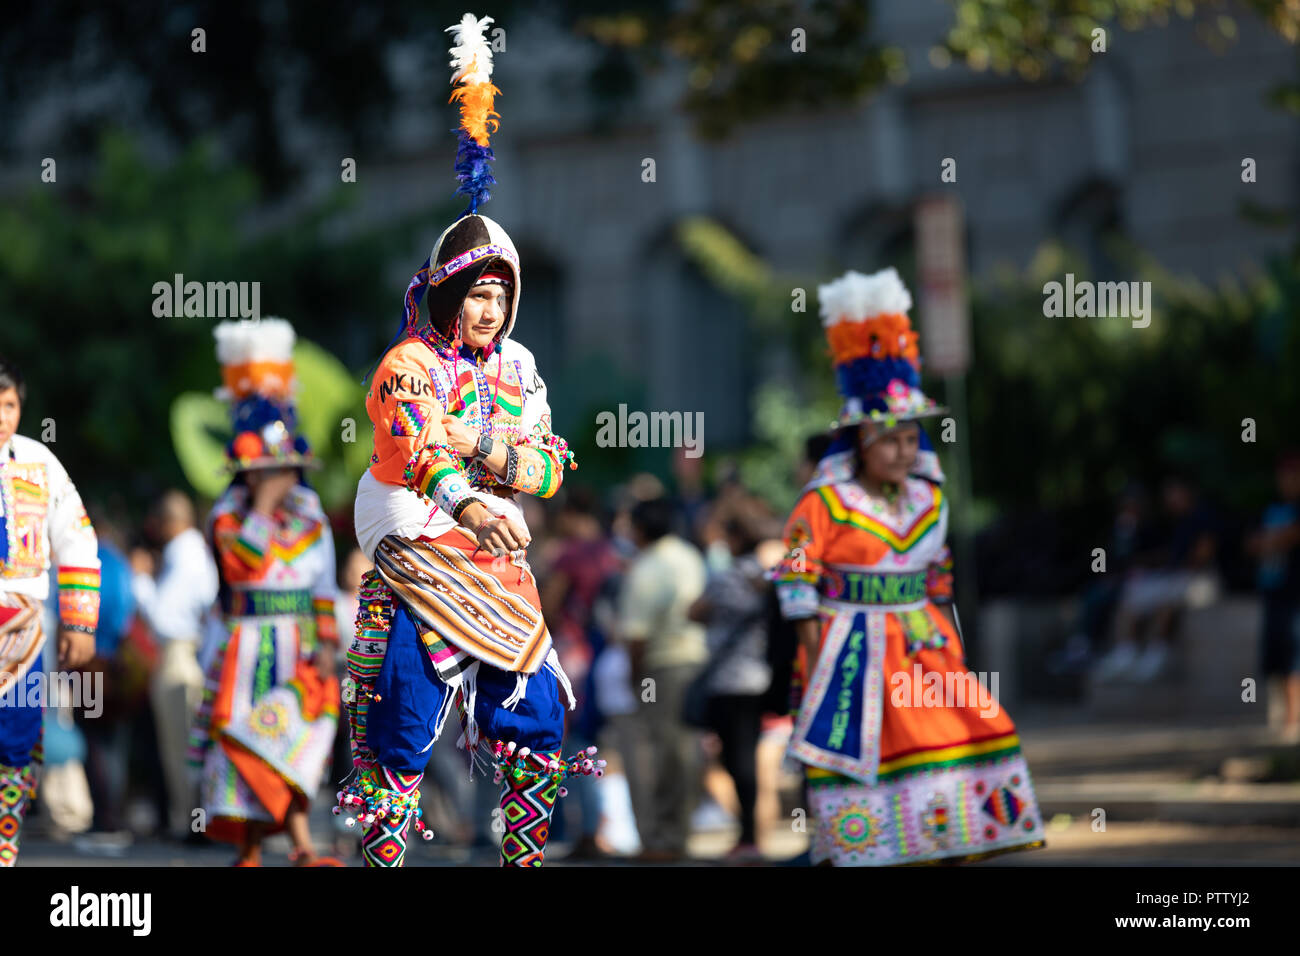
(1174,794)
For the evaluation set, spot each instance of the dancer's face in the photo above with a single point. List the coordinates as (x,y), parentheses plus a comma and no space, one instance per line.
(484,312)
(892,456)
(11,409)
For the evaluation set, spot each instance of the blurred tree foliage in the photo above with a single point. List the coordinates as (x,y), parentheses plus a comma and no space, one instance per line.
(1031,37)
(77,302)
(133,65)
(749,59)
(742,65)
(1066,411)
(330,64)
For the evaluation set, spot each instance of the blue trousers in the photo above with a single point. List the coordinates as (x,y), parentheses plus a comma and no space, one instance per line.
(401,723)
(20,717)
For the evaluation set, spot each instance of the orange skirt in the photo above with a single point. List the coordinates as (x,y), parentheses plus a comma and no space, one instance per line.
(909,756)
(269,750)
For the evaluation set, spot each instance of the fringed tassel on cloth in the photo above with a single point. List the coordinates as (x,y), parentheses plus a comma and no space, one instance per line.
(462,688)
(17,789)
(448,702)
(553,665)
(521,688)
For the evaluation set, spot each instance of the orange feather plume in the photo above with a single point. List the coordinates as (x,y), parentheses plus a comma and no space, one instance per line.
(477,118)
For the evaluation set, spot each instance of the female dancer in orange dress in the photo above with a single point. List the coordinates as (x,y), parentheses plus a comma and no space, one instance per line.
(265,727)
(908,756)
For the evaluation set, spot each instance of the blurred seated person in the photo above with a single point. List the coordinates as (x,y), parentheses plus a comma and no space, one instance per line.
(1180,574)
(1131,533)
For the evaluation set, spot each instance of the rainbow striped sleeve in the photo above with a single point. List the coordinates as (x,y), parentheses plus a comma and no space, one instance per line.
(796,591)
(799,573)
(327,627)
(436,473)
(254,539)
(409,419)
(537,473)
(541,465)
(79,597)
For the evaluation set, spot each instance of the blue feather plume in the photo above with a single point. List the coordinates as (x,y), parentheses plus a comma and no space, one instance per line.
(473,171)
(867,376)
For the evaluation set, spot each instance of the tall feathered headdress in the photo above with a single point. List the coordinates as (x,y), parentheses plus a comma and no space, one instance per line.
(258,380)
(473,243)
(874,349)
(471,60)
(877,369)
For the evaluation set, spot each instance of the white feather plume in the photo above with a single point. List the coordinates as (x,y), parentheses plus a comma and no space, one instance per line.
(270,340)
(471,56)
(855,297)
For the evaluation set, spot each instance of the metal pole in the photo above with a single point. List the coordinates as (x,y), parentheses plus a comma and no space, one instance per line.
(961,531)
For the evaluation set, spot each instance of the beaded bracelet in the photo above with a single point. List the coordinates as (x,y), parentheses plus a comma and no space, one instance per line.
(82,628)
(512,465)
(459,510)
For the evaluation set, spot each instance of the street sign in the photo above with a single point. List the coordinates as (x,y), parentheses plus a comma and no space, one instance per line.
(941,267)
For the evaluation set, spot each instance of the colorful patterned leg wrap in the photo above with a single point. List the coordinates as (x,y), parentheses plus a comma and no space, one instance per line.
(533,785)
(17,788)
(385,801)
(388,802)
(365,658)
(527,803)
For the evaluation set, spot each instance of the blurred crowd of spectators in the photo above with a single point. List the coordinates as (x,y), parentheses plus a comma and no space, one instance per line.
(662,614)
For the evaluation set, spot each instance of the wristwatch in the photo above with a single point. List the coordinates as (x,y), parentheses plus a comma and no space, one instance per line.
(485,444)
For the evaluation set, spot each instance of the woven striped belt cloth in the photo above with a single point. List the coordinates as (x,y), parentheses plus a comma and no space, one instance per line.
(872,587)
(262,603)
(20,636)
(465,603)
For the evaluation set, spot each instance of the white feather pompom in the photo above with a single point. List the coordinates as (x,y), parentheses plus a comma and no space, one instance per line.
(855,297)
(471,56)
(269,340)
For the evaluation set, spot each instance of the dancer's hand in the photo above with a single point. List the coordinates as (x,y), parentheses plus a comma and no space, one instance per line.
(808,630)
(269,488)
(460,436)
(76,648)
(500,535)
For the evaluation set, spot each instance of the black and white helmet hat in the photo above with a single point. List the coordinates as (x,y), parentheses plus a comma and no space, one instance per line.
(465,250)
